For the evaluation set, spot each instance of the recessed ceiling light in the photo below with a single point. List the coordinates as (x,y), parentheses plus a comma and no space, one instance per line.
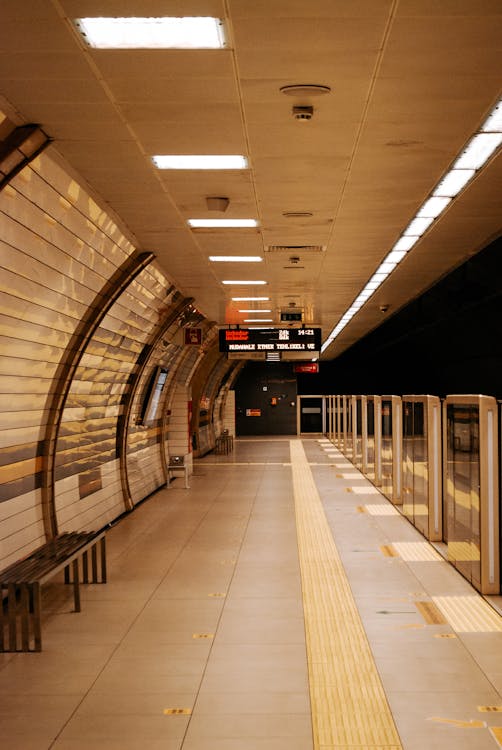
(494,122)
(258,320)
(235,258)
(453,182)
(395,256)
(189,32)
(478,151)
(244,281)
(433,207)
(250,299)
(417,227)
(200,161)
(405,243)
(219,223)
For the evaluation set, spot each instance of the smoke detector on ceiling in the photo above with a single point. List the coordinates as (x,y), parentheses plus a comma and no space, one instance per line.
(303,114)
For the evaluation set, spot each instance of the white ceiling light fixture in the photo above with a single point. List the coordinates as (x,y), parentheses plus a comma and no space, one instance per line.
(418,227)
(235,258)
(167,32)
(433,207)
(477,152)
(250,299)
(237,282)
(255,311)
(404,244)
(258,320)
(453,182)
(200,161)
(494,122)
(222,223)
(395,256)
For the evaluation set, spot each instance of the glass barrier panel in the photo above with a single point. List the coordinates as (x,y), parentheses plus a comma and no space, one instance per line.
(463,489)
(387,476)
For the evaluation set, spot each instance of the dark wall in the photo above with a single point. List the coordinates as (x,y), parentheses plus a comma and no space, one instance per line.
(271,390)
(449,340)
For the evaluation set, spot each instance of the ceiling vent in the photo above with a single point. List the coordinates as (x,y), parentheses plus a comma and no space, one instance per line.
(295,249)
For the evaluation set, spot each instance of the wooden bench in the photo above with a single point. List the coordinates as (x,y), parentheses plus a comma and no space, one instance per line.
(20,613)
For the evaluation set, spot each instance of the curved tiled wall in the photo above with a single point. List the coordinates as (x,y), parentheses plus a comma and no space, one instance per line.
(85,319)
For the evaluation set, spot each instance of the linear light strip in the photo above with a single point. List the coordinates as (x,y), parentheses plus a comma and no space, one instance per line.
(473,158)
(200,161)
(167,32)
(221,223)
(235,258)
(250,299)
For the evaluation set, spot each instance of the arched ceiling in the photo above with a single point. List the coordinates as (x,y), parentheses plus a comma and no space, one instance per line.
(410,80)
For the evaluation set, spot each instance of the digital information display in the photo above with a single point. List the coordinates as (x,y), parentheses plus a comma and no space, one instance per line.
(239,340)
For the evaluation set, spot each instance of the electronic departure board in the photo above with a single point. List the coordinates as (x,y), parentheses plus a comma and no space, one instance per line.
(234,340)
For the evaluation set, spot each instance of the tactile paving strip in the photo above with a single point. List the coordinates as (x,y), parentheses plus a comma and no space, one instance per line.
(469,614)
(349,706)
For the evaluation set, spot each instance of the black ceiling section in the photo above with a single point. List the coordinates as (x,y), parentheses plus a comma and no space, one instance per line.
(448,340)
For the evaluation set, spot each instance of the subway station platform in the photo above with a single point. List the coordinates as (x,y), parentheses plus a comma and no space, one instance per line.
(280,603)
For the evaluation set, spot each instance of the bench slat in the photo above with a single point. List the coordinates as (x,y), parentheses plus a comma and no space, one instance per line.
(22,583)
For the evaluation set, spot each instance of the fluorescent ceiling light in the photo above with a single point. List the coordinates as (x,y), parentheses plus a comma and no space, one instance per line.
(258,320)
(453,182)
(235,258)
(200,161)
(433,207)
(405,244)
(395,256)
(189,32)
(232,281)
(386,267)
(417,227)
(250,299)
(255,311)
(494,122)
(379,276)
(363,298)
(478,151)
(221,223)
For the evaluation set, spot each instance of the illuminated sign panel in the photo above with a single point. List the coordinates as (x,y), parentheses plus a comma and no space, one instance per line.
(264,340)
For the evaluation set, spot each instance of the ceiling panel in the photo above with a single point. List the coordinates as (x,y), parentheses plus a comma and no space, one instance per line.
(410,82)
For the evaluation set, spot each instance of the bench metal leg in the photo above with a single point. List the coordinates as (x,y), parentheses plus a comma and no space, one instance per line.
(25,616)
(94,557)
(76,589)
(37,612)
(85,567)
(103,560)
(11,611)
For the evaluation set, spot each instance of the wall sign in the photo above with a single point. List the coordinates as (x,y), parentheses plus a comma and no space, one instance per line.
(270,340)
(193,336)
(312,367)
(253,412)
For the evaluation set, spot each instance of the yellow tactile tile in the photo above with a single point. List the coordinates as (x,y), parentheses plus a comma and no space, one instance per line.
(469,614)
(349,707)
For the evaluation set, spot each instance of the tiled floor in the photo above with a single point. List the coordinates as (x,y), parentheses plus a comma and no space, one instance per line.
(199,640)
